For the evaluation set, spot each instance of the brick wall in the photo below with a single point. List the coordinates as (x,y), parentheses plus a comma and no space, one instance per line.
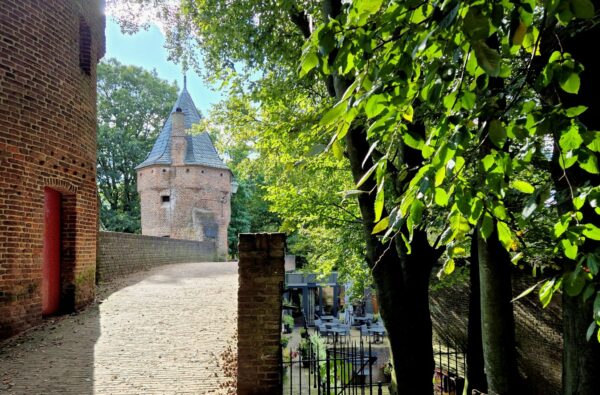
(197,195)
(538,331)
(48,54)
(261,276)
(123,253)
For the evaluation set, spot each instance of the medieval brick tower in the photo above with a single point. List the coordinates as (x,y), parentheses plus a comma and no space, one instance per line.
(48,200)
(185,188)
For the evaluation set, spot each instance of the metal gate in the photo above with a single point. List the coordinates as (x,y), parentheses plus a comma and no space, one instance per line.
(340,369)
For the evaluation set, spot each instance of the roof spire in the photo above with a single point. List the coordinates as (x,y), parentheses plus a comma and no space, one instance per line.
(184,82)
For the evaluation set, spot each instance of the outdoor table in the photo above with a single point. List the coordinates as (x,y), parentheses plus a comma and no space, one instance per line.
(376,331)
(362,320)
(327,318)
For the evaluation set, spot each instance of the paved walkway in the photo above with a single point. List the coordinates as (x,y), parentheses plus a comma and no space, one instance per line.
(165,331)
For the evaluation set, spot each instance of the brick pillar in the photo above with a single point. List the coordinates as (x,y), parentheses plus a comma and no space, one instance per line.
(261,276)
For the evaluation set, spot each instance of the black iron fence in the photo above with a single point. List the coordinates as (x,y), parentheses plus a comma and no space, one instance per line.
(341,369)
(450,371)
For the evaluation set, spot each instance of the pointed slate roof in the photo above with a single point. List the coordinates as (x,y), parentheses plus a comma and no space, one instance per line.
(200,149)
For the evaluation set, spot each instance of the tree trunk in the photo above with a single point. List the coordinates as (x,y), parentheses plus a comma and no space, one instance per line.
(581,359)
(402,283)
(475,373)
(497,320)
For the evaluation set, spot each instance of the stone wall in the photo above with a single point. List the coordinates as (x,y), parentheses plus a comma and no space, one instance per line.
(538,331)
(48,56)
(261,277)
(123,253)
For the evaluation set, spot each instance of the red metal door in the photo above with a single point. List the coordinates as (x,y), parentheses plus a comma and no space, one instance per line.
(51,268)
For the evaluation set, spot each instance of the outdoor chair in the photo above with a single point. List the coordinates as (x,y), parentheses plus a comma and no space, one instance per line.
(364,331)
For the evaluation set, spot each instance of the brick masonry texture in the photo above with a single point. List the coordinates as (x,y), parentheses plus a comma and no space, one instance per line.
(261,276)
(538,331)
(157,332)
(120,254)
(198,194)
(47,139)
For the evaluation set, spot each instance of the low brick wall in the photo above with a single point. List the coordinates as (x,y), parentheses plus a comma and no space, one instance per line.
(123,253)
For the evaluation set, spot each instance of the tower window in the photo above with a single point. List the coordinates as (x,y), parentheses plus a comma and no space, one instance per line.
(85,47)
(165,198)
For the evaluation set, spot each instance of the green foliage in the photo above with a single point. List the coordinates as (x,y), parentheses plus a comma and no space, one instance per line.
(132,106)
(288,320)
(468,86)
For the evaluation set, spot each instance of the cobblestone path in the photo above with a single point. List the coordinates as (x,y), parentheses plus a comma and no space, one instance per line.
(156,332)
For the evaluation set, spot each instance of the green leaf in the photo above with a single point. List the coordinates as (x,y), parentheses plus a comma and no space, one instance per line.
(334,113)
(593,264)
(367,175)
(525,293)
(412,140)
(574,282)
(487,58)
(487,226)
(588,292)
(375,105)
(368,7)
(570,140)
(515,259)
(309,61)
(449,266)
(381,225)
(416,212)
(529,207)
(591,330)
(575,111)
(519,33)
(582,8)
(338,150)
(591,231)
(441,197)
(488,162)
(567,159)
(523,186)
(476,25)
(440,174)
(504,235)
(596,307)
(561,227)
(468,100)
(497,133)
(571,83)
(546,292)
(589,163)
(379,199)
(353,192)
(569,248)
(594,145)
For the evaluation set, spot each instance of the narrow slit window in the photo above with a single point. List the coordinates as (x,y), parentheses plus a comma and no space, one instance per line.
(85,47)
(165,198)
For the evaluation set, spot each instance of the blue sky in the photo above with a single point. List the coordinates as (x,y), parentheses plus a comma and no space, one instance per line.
(145,49)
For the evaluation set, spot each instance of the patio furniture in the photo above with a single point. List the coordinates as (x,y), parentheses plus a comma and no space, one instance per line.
(364,331)
(359,321)
(377,332)
(327,317)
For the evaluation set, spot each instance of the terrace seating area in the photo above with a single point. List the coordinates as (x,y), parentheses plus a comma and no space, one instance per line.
(335,330)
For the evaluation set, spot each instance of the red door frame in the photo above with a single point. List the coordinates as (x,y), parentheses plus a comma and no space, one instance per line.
(51,265)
